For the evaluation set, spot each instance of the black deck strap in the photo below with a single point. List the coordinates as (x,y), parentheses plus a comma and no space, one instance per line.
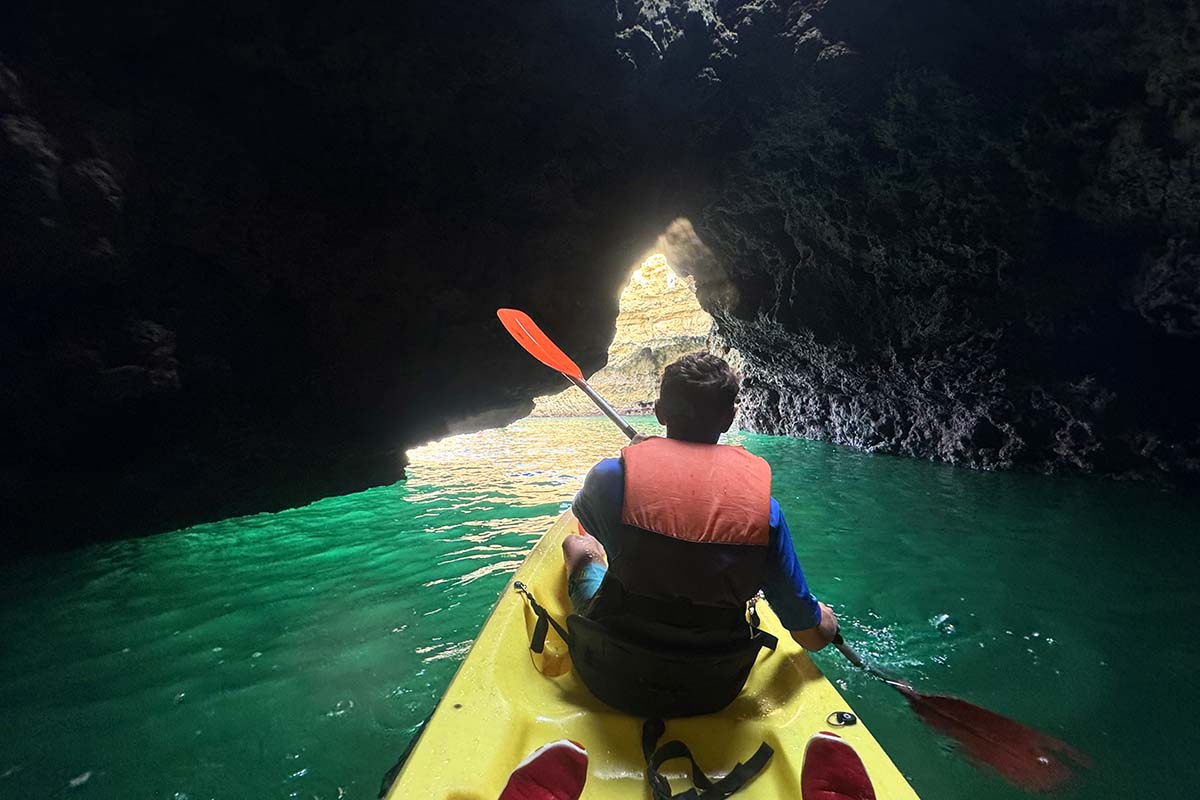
(537,642)
(705,788)
(765,639)
(660,788)
(741,774)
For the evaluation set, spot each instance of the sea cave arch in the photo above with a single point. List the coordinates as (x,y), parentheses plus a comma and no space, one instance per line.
(660,318)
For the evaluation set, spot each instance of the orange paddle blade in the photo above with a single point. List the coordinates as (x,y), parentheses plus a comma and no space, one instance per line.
(538,344)
(1025,757)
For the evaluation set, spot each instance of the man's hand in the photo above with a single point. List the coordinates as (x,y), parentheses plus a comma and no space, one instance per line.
(641,437)
(815,638)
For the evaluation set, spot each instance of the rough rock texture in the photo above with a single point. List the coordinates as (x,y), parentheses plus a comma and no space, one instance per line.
(250,252)
(660,319)
(965,231)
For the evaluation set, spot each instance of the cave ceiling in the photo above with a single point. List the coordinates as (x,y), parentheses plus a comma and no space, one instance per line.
(251,251)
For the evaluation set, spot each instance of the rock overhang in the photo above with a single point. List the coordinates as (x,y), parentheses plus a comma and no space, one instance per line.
(946,230)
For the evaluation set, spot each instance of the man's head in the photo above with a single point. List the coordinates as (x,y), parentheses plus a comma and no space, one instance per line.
(696,398)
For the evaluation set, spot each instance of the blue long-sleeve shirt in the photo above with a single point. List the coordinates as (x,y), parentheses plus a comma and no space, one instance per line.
(598,508)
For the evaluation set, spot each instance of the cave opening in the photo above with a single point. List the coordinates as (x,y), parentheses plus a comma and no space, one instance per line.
(660,319)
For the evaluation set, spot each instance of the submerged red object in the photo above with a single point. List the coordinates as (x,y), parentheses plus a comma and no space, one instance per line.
(833,771)
(1025,757)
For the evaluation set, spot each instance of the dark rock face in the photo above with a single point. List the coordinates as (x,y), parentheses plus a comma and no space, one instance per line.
(962,231)
(248,255)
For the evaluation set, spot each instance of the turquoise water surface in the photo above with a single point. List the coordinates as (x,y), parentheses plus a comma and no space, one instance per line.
(293,654)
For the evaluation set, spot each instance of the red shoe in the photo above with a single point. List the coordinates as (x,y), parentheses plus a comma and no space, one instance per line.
(833,771)
(555,771)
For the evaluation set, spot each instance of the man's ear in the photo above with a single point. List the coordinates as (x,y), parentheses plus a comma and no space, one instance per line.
(658,415)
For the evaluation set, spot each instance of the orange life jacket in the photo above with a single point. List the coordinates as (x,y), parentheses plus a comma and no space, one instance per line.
(704,493)
(666,634)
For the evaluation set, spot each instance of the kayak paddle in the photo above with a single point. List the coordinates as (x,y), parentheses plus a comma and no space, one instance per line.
(1022,755)
(538,345)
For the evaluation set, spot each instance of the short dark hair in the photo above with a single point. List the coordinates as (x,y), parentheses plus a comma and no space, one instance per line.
(697,392)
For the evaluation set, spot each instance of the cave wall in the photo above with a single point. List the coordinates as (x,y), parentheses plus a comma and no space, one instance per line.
(249,253)
(253,251)
(963,231)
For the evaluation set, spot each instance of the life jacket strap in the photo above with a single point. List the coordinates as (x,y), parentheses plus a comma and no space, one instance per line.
(703,787)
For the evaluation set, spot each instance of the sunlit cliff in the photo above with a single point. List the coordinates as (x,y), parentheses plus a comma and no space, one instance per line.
(660,320)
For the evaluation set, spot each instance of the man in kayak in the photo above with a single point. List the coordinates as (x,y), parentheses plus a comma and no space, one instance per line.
(687,526)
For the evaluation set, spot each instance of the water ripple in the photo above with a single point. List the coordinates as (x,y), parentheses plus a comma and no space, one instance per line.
(295,652)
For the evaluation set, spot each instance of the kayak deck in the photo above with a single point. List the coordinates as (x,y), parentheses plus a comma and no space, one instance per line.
(504,702)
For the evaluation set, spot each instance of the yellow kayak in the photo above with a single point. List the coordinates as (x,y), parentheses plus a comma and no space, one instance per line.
(504,702)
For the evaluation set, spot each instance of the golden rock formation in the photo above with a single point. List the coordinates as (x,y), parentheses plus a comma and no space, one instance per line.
(660,320)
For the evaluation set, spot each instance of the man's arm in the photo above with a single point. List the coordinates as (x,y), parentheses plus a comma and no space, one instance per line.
(597,507)
(821,634)
(811,623)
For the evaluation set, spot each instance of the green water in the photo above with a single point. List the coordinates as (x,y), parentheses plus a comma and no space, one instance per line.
(293,654)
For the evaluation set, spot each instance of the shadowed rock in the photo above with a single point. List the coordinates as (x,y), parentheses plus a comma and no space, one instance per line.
(951,230)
